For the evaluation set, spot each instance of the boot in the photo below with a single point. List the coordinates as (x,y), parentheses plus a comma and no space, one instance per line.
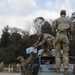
(57,70)
(66,71)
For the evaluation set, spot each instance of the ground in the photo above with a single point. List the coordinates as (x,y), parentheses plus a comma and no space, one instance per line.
(9,73)
(42,73)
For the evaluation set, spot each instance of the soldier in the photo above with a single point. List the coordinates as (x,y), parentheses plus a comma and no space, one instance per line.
(72,40)
(25,63)
(46,40)
(61,26)
(2,66)
(73,21)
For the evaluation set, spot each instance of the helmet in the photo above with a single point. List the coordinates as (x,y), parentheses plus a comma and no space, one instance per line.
(20,57)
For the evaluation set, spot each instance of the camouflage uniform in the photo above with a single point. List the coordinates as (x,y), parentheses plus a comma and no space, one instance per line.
(25,64)
(1,66)
(61,26)
(45,40)
(73,21)
(72,38)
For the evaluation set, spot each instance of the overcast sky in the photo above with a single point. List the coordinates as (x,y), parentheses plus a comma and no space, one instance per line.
(19,13)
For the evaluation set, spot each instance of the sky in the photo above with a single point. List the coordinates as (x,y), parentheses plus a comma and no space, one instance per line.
(21,13)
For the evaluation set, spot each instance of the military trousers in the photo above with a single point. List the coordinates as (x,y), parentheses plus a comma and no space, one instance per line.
(62,42)
(48,45)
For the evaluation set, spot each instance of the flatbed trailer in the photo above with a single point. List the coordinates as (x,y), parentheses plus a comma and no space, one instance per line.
(47,65)
(53,73)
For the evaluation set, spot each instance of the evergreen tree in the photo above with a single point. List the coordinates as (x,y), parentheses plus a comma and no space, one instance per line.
(5,37)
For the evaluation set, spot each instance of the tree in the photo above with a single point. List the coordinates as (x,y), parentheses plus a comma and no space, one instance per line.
(5,37)
(46,28)
(42,25)
(15,40)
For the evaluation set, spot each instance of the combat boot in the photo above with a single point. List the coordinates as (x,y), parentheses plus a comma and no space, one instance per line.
(66,71)
(57,70)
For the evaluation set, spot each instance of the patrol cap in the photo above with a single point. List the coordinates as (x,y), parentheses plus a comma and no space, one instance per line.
(20,57)
(63,12)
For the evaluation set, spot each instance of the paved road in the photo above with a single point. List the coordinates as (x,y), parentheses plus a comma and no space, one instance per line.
(40,73)
(9,73)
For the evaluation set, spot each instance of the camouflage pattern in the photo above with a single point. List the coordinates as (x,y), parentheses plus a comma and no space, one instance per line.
(73,21)
(25,65)
(73,17)
(62,42)
(61,26)
(20,57)
(45,40)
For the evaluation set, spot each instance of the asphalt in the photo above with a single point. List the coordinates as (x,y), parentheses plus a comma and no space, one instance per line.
(40,73)
(1,73)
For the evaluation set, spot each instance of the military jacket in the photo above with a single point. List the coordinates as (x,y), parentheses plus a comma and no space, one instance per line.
(62,24)
(45,36)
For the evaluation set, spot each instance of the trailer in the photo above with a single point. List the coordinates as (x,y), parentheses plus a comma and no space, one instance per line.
(47,65)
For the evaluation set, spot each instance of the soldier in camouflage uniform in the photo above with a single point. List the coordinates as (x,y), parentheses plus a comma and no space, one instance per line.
(61,26)
(2,66)
(25,64)
(46,40)
(72,38)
